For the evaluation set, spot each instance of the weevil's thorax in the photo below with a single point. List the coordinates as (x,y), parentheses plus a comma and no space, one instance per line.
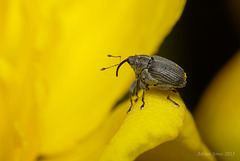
(139,62)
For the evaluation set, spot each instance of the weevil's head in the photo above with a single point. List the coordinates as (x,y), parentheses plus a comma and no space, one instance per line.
(137,62)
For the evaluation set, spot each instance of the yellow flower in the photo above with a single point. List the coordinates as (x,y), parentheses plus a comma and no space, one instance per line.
(217,115)
(55,102)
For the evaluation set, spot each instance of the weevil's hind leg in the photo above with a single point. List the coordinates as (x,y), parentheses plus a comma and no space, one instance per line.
(133,86)
(144,88)
(171,90)
(168,97)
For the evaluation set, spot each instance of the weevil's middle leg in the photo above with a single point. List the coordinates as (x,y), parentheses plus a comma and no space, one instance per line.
(168,97)
(133,86)
(143,99)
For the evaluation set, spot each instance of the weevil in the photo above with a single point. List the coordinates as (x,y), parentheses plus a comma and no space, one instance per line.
(153,71)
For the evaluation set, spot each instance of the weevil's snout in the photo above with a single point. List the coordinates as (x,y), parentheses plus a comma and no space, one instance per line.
(124,61)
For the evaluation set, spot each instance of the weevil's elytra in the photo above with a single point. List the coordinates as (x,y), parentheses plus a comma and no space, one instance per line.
(153,71)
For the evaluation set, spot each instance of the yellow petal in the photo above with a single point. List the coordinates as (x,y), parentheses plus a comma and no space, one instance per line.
(5,148)
(123,137)
(217,115)
(160,121)
(18,129)
(188,146)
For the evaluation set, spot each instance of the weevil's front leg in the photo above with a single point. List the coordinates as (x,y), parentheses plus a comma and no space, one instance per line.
(144,88)
(136,91)
(131,92)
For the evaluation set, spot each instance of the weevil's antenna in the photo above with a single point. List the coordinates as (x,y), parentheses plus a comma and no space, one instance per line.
(112,65)
(114,56)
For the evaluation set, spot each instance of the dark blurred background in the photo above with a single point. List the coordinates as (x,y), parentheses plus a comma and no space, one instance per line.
(203,40)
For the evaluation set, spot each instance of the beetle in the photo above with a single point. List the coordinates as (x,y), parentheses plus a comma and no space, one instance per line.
(153,71)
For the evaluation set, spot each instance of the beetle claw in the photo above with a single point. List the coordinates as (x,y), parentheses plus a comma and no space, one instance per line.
(176,104)
(142,106)
(130,108)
